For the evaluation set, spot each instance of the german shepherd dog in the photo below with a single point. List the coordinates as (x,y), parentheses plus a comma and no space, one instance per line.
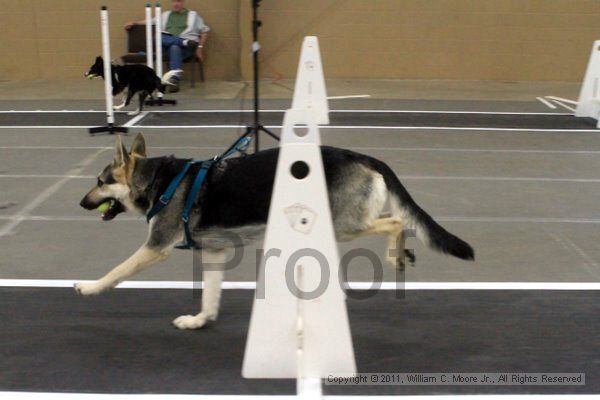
(136,78)
(236,199)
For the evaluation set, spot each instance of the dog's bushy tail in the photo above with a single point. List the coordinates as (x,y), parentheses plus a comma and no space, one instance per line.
(427,229)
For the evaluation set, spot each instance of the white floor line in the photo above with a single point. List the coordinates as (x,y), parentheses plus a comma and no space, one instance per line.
(283,110)
(498,178)
(473,150)
(111,147)
(124,218)
(383,128)
(379,128)
(47,126)
(359,148)
(563,105)
(534,220)
(20,147)
(568,101)
(107,396)
(55,111)
(43,196)
(450,112)
(251,285)
(17,176)
(136,119)
(454,128)
(352,96)
(402,177)
(69,218)
(546,103)
(102,396)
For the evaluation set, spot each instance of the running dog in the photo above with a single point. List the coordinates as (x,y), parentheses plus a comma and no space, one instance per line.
(136,78)
(235,200)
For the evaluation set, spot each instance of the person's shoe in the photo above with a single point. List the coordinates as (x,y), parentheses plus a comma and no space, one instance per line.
(173,86)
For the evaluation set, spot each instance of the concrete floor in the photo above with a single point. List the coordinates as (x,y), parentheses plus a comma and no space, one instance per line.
(526,201)
(122,343)
(84,89)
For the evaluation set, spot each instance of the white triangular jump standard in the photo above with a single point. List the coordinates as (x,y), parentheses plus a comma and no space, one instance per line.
(588,104)
(589,97)
(299,326)
(310,93)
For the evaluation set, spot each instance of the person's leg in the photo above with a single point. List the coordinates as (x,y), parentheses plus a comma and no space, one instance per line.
(175,57)
(173,46)
(169,40)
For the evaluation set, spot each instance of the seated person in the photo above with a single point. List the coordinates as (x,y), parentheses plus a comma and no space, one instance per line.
(186,33)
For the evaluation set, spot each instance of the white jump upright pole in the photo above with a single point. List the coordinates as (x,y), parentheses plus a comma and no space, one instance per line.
(159,57)
(149,45)
(110,114)
(300,333)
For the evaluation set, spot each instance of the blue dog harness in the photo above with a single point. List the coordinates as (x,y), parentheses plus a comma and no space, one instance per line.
(240,145)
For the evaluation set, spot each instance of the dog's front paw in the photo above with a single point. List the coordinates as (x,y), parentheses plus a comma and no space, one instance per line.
(88,288)
(192,321)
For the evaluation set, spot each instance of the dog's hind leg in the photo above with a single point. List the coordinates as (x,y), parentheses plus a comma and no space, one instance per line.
(123,103)
(392,229)
(142,99)
(213,271)
(144,257)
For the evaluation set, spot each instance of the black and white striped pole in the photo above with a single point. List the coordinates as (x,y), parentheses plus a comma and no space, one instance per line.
(160,100)
(110,126)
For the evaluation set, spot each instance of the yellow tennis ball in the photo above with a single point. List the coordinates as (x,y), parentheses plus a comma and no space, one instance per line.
(102,208)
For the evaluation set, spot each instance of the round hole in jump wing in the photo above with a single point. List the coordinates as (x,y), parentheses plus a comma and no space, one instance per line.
(299,170)
(300,130)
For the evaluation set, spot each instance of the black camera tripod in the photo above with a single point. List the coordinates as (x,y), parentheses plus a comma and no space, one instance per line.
(256,127)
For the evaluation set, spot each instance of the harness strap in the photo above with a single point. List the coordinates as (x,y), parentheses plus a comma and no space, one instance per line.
(166,197)
(240,145)
(189,203)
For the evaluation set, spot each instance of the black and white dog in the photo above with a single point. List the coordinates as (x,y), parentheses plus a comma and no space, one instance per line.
(136,78)
(236,201)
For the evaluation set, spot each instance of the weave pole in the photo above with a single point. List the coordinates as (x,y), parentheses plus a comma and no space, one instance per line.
(159,58)
(110,113)
(149,46)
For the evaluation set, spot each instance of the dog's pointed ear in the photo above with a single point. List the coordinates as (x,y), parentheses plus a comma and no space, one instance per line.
(139,146)
(99,59)
(121,155)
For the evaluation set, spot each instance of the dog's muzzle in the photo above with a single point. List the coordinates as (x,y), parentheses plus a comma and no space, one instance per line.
(116,207)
